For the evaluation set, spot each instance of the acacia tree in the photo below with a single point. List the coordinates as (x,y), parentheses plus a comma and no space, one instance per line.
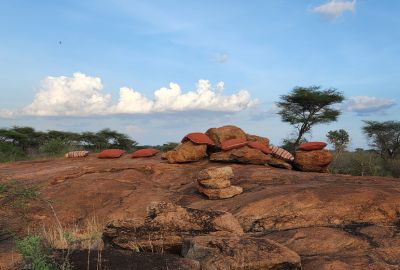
(339,139)
(384,136)
(305,107)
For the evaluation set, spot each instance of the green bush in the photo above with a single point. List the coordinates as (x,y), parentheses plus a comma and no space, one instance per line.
(35,253)
(10,152)
(365,163)
(55,147)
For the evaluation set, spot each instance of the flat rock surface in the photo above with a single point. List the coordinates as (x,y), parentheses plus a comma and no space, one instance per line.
(331,221)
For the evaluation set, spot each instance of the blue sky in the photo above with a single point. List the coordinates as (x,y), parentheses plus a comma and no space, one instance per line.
(87,65)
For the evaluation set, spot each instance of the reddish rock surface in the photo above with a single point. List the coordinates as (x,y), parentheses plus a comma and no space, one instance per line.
(313,161)
(309,146)
(330,221)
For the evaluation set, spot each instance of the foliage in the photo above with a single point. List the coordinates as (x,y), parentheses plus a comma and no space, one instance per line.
(19,143)
(305,107)
(10,152)
(339,139)
(365,163)
(55,147)
(35,253)
(384,136)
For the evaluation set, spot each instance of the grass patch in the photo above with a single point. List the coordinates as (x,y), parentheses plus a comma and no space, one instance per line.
(17,195)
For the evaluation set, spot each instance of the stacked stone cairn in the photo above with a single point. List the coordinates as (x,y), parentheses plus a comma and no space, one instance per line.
(215,183)
(312,157)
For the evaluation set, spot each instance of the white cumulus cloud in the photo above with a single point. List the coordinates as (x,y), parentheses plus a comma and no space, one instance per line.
(76,95)
(335,8)
(367,104)
(82,95)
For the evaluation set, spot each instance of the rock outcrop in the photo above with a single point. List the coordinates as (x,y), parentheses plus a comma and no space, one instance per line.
(240,253)
(165,227)
(313,161)
(331,221)
(187,152)
(244,154)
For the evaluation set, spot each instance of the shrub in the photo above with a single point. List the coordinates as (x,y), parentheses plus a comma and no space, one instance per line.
(55,147)
(35,253)
(10,152)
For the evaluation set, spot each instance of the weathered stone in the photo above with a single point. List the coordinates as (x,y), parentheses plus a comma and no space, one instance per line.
(187,152)
(313,161)
(216,183)
(255,138)
(244,154)
(236,253)
(221,134)
(279,163)
(225,172)
(165,226)
(222,193)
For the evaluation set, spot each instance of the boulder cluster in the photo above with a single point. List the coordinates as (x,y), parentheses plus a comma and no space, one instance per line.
(215,183)
(232,144)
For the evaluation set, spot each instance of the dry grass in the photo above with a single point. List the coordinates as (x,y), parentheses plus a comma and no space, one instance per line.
(86,236)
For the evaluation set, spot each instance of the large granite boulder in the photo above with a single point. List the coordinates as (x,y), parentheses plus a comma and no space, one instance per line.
(313,161)
(236,253)
(165,227)
(244,154)
(187,152)
(259,139)
(221,134)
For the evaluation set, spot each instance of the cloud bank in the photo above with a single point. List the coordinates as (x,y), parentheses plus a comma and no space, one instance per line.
(335,8)
(82,95)
(366,104)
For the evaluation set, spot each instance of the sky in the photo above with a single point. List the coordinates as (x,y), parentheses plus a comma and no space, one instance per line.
(157,70)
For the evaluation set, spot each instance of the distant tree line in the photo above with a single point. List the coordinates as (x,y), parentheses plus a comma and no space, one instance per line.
(21,142)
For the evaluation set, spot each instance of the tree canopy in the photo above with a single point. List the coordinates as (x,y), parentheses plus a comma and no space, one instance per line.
(16,142)
(305,107)
(339,139)
(384,136)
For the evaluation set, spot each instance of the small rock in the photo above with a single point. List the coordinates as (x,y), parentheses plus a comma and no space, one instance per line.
(223,193)
(215,183)
(217,172)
